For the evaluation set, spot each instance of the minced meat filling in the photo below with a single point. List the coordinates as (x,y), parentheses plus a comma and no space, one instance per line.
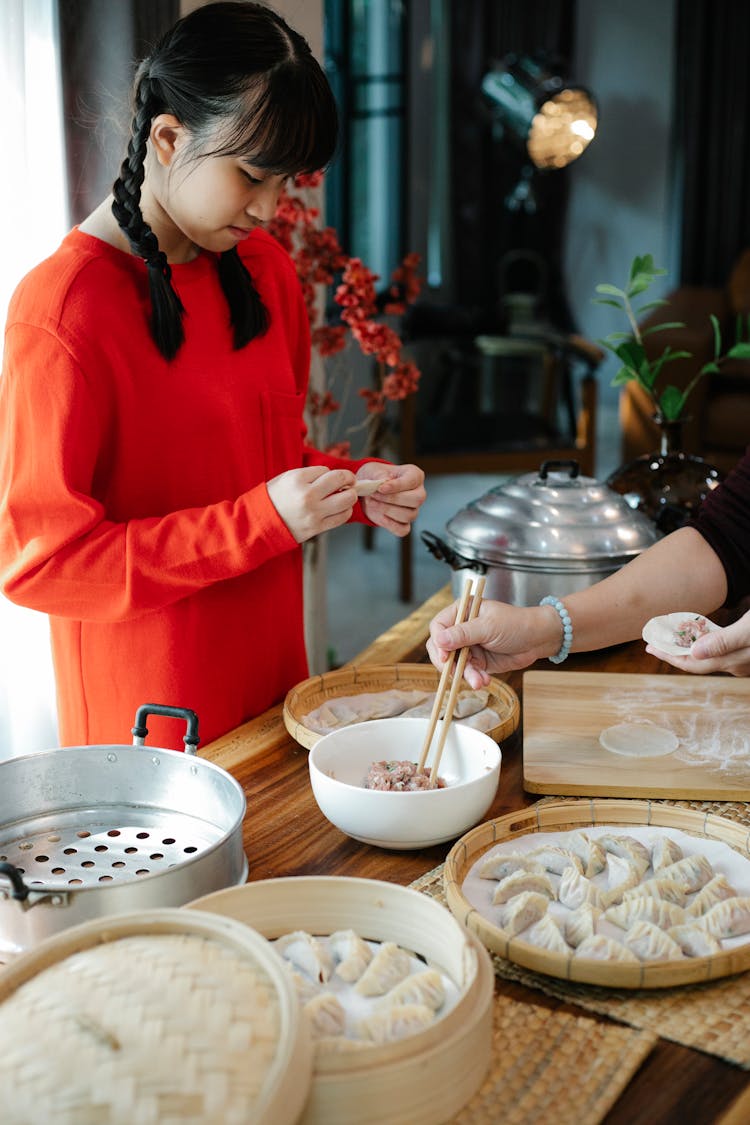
(400,777)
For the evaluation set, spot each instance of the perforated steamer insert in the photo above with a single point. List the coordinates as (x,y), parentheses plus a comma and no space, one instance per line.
(95,830)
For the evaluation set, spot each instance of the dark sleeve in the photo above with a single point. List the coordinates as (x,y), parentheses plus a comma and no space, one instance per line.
(724,522)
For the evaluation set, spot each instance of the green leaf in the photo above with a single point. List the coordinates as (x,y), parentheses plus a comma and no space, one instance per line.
(640,283)
(662,327)
(717,335)
(610,290)
(606,301)
(624,375)
(630,352)
(676,355)
(658,302)
(671,402)
(615,337)
(710,368)
(739,351)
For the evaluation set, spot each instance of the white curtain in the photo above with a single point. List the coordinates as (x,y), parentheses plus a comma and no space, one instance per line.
(33,219)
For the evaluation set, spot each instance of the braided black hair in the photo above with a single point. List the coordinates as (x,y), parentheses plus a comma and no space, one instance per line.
(230,63)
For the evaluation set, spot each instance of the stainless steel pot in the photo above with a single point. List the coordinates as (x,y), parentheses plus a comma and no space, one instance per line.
(551,532)
(89,831)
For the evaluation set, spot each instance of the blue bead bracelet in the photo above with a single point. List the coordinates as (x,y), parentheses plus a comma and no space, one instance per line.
(567,625)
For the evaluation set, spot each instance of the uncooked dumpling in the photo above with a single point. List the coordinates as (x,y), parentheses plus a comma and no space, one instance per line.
(650,943)
(367,487)
(639,740)
(519,882)
(675,633)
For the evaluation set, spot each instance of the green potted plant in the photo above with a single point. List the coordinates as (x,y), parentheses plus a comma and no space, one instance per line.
(669,401)
(669,484)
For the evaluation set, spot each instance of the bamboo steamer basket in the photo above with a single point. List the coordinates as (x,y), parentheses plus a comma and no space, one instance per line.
(152,1017)
(424,1079)
(576,815)
(358,679)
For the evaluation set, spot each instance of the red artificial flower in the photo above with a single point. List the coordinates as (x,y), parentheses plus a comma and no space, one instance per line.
(374,400)
(320,405)
(401,382)
(308,179)
(329,339)
(318,259)
(339,449)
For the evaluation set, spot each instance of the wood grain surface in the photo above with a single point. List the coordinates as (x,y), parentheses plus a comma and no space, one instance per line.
(565,712)
(286,834)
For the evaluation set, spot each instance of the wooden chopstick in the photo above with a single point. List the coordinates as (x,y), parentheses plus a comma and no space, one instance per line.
(450,706)
(444,679)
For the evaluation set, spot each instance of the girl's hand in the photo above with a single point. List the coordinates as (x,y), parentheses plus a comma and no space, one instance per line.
(313,499)
(501,638)
(396,504)
(725,650)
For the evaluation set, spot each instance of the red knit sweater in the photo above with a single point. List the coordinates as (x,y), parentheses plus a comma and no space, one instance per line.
(133,503)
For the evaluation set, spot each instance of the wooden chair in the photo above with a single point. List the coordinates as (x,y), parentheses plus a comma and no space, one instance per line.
(525,450)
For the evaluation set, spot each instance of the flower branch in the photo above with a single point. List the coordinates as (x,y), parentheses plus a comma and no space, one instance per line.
(320,261)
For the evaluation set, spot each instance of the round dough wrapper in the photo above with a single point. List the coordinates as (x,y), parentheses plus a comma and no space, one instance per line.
(639,740)
(660,632)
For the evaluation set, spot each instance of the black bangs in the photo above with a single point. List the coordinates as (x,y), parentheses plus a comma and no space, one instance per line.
(291,124)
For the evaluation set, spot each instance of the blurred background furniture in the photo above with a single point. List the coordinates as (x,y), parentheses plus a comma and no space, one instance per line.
(717,425)
(494,404)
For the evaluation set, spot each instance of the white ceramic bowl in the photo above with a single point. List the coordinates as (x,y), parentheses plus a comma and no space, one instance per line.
(470,765)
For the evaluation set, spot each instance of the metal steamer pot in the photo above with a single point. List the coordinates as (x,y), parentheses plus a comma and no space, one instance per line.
(90,831)
(551,532)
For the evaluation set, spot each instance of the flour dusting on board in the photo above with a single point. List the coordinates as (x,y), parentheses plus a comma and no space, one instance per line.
(714,732)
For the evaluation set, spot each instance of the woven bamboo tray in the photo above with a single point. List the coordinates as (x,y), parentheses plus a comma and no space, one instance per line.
(355,680)
(163,1015)
(573,815)
(420,1080)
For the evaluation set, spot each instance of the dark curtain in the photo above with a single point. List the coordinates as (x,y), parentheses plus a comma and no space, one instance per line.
(712,147)
(485,170)
(101,42)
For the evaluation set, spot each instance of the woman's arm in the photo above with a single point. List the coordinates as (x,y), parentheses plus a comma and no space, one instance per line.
(680,572)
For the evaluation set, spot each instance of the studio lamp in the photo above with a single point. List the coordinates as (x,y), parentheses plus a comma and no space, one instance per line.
(553,120)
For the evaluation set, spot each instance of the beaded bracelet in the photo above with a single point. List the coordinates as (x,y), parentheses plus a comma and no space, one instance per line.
(567,625)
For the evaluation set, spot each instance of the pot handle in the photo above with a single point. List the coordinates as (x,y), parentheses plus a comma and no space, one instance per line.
(20,891)
(27,897)
(140,730)
(440,549)
(550,466)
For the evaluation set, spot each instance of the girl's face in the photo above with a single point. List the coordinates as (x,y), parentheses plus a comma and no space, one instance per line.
(198,200)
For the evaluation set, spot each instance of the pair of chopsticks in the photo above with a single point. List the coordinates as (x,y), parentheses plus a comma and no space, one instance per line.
(463,654)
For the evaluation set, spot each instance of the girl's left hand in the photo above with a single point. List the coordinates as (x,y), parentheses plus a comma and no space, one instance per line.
(726,650)
(396,504)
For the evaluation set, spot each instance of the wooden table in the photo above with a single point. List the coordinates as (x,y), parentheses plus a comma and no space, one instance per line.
(286,834)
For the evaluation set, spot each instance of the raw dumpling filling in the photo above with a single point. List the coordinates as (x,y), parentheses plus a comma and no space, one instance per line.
(400,777)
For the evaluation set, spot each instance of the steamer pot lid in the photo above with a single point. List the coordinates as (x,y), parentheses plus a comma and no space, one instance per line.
(554,514)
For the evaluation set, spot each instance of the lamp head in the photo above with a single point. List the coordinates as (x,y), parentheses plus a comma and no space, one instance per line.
(553,119)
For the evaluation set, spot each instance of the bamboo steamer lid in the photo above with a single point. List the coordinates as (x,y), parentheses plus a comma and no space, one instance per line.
(165,1017)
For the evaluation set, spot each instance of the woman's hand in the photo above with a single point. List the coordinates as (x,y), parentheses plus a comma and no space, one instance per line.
(724,650)
(313,499)
(396,504)
(502,637)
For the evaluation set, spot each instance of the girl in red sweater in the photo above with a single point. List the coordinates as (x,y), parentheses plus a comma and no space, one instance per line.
(155,481)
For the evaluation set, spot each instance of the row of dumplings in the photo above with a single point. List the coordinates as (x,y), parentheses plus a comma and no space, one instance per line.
(668,904)
(335,976)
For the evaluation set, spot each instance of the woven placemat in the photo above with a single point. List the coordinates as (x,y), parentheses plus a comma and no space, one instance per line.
(534,1052)
(713,1017)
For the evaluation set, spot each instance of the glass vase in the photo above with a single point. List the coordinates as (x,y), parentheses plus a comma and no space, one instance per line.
(669,485)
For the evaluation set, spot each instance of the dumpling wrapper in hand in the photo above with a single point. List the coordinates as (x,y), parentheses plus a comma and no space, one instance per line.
(675,633)
(367,487)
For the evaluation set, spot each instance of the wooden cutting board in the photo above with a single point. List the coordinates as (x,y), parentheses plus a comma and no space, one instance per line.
(565,712)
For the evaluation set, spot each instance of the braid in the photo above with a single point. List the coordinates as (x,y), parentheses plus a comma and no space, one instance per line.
(247,312)
(166,308)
